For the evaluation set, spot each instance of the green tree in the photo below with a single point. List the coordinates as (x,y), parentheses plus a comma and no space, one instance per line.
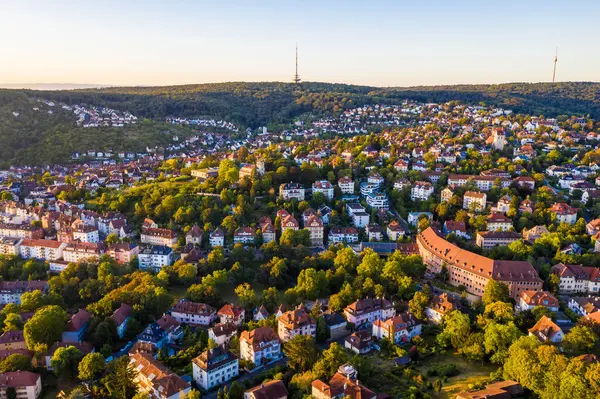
(46,326)
(495,291)
(119,380)
(246,294)
(15,362)
(65,361)
(331,360)
(419,302)
(322,330)
(301,352)
(457,328)
(13,322)
(498,338)
(91,366)
(579,340)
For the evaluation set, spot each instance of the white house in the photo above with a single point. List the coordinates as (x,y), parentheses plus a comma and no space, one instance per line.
(214,367)
(398,329)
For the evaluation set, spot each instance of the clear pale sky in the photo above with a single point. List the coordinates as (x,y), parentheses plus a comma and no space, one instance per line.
(373,42)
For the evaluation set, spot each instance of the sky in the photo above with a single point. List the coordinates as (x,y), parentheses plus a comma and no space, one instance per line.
(374,42)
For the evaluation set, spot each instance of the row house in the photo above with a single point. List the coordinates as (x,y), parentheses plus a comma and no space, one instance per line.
(346,235)
(491,239)
(11,291)
(79,251)
(41,249)
(21,231)
(123,252)
(84,233)
(483,183)
(158,236)
(10,246)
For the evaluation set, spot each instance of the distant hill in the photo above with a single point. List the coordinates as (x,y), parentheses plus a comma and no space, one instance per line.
(255,104)
(50,86)
(34,137)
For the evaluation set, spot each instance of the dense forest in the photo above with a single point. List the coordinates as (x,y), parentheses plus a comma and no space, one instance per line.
(37,137)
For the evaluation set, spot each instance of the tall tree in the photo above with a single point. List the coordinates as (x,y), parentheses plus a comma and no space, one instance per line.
(46,326)
(301,352)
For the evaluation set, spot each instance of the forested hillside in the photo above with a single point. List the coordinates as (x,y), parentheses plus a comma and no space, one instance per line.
(29,134)
(39,137)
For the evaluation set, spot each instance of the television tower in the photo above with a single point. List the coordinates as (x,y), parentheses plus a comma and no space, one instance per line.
(296,78)
(555,61)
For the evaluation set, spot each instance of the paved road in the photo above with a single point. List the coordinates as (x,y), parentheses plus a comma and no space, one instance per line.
(244,377)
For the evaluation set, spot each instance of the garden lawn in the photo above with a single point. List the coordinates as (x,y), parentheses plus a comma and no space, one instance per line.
(470,373)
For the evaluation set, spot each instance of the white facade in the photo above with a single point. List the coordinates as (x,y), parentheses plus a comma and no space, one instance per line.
(206,379)
(421,190)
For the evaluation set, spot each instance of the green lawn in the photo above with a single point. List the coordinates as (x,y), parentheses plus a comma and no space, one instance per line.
(470,373)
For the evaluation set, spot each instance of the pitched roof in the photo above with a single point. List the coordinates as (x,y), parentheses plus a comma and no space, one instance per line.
(162,379)
(274,389)
(16,379)
(78,320)
(122,313)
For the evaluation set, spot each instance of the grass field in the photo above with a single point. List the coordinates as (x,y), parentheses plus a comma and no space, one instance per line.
(470,373)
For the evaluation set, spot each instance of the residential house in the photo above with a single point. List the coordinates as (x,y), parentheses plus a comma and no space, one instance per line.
(346,185)
(232,313)
(398,329)
(421,190)
(545,330)
(217,237)
(360,342)
(290,191)
(243,235)
(577,278)
(368,310)
(490,239)
(497,221)
(438,307)
(274,389)
(564,213)
(475,201)
(260,345)
(458,228)
(77,326)
(155,257)
(534,233)
(374,232)
(121,317)
(314,225)
(194,313)
(324,187)
(395,231)
(529,300)
(214,367)
(296,322)
(222,333)
(26,384)
(154,379)
(343,384)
